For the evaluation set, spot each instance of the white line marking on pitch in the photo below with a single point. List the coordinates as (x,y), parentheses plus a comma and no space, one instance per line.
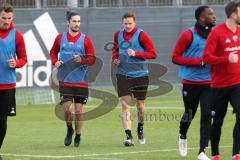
(95,155)
(98,158)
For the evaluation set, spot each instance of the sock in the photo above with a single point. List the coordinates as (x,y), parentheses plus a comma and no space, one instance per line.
(70,127)
(140,127)
(183,136)
(128,134)
(77,136)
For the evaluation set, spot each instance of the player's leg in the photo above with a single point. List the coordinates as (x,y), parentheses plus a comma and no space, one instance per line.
(124,94)
(140,114)
(140,92)
(235,102)
(125,102)
(68,119)
(205,122)
(3,128)
(190,94)
(80,98)
(7,108)
(66,97)
(220,103)
(78,123)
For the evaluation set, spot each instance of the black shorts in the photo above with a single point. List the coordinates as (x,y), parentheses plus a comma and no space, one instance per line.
(8,102)
(73,94)
(132,86)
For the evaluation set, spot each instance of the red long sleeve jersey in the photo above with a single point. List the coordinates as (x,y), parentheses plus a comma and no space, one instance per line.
(144,40)
(20,52)
(220,43)
(182,44)
(87,60)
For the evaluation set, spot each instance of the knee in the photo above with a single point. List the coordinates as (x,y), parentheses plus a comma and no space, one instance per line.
(140,104)
(78,110)
(68,110)
(187,117)
(125,108)
(207,115)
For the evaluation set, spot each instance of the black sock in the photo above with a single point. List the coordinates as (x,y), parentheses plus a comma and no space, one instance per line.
(3,128)
(128,134)
(140,124)
(140,127)
(77,136)
(70,127)
(183,136)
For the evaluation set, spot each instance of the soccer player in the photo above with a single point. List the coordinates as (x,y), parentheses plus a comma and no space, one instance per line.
(132,48)
(195,77)
(12,56)
(76,53)
(222,53)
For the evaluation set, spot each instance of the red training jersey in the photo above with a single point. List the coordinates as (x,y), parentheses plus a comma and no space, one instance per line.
(220,43)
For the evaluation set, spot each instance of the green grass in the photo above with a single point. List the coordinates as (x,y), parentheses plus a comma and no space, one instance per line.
(37,131)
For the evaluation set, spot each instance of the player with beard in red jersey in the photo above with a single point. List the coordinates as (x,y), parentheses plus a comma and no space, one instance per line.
(222,53)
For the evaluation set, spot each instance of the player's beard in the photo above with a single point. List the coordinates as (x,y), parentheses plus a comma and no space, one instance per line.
(75,29)
(203,31)
(238,20)
(210,24)
(4,26)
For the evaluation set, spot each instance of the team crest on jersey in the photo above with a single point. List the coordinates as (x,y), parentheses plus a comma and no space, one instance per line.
(235,38)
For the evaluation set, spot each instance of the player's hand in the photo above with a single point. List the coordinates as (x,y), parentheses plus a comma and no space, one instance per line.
(77,58)
(131,52)
(12,63)
(116,62)
(58,64)
(233,57)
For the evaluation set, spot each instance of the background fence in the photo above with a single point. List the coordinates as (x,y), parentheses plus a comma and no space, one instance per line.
(107,3)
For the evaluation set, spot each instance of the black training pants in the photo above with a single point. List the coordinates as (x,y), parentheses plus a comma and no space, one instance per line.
(192,95)
(221,97)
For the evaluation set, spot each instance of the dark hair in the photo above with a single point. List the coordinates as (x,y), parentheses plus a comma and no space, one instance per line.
(199,11)
(231,7)
(6,8)
(70,14)
(128,15)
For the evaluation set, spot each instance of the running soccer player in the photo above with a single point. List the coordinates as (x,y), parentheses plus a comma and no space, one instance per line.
(195,76)
(132,48)
(222,53)
(74,49)
(12,56)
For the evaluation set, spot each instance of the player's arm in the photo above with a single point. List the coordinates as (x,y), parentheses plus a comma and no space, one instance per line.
(182,44)
(209,55)
(55,50)
(20,50)
(90,57)
(147,44)
(115,53)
